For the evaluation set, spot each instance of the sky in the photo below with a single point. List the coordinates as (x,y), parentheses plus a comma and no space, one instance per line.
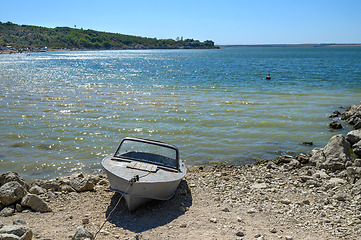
(226,22)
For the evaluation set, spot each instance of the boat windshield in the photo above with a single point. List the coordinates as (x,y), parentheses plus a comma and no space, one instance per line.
(148,151)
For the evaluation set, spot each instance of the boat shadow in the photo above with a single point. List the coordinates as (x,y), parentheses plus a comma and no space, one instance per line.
(152,214)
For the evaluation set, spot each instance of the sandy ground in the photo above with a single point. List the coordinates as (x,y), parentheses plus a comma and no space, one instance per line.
(249,202)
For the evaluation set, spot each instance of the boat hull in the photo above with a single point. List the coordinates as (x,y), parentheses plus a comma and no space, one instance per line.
(151,186)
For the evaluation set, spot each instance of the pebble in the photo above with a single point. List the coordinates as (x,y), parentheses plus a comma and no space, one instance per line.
(19,222)
(225,209)
(183,225)
(285,201)
(240,234)
(182,209)
(273,230)
(252,210)
(213,220)
(85,221)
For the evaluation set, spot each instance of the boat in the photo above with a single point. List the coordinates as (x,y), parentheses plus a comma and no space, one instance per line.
(143,170)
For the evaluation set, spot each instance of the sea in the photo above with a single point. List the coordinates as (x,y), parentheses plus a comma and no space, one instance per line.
(61,112)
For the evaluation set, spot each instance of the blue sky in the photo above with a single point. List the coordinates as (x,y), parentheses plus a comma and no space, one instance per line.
(224,22)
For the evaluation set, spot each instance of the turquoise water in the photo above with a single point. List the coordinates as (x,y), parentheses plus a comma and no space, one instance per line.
(62,112)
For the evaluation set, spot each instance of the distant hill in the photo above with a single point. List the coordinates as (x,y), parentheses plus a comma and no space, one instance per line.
(26,36)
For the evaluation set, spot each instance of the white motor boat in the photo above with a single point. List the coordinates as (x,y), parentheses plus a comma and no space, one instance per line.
(143,170)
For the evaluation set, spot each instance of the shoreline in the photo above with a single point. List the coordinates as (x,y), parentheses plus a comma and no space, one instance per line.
(315,196)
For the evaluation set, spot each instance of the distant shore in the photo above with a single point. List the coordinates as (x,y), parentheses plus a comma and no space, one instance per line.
(296,45)
(11,51)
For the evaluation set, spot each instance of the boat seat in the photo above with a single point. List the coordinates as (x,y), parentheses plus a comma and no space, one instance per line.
(143,166)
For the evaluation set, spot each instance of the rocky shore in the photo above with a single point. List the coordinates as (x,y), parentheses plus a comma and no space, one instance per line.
(311,196)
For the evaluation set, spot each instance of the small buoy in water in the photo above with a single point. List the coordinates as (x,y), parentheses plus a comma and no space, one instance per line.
(268,77)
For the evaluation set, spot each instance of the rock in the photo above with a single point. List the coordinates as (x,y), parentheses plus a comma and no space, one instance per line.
(292,165)
(181,191)
(82,233)
(37,234)
(284,159)
(285,201)
(273,230)
(46,184)
(11,192)
(317,156)
(303,158)
(183,225)
(18,207)
(334,155)
(66,188)
(252,210)
(213,220)
(288,238)
(357,149)
(225,209)
(17,232)
(335,114)
(337,180)
(103,182)
(82,184)
(258,186)
(341,197)
(271,165)
(321,174)
(304,202)
(353,136)
(182,209)
(357,163)
(37,190)
(357,125)
(19,222)
(85,221)
(351,113)
(12,177)
(35,203)
(306,178)
(354,172)
(240,234)
(7,211)
(337,149)
(335,125)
